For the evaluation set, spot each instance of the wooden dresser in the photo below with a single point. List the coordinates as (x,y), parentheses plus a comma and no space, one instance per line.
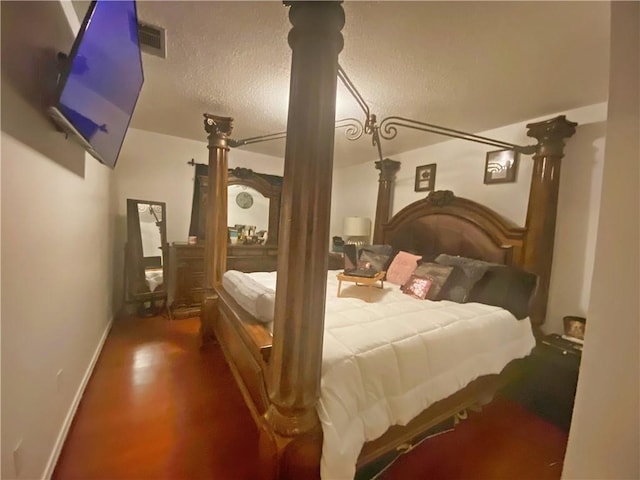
(186,279)
(187,262)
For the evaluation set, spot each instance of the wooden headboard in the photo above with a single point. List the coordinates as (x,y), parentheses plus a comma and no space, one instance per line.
(444,223)
(457,223)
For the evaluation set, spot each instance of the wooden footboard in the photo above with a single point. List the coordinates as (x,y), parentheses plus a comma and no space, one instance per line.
(246,345)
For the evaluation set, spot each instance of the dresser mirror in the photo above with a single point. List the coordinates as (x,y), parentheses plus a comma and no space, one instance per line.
(146,254)
(247,215)
(253,207)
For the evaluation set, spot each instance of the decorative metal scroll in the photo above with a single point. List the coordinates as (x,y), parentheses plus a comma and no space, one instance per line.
(388,128)
(353,128)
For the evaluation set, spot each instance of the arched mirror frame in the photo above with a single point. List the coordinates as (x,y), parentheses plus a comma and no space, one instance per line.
(269,186)
(135,279)
(271,190)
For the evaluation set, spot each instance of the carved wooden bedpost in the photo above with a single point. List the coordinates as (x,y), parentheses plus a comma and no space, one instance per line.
(296,358)
(215,250)
(388,169)
(543,204)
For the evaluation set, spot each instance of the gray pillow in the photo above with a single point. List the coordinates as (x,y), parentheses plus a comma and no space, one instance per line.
(468,272)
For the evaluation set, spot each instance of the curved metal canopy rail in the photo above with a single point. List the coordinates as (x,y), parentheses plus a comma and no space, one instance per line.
(388,128)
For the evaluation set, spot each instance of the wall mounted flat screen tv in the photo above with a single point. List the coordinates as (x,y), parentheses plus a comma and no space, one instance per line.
(101,79)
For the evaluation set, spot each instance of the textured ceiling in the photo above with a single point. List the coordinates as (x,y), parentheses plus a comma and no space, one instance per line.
(465,65)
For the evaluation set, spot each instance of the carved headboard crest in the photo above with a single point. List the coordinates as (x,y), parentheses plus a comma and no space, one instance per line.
(441,198)
(241,172)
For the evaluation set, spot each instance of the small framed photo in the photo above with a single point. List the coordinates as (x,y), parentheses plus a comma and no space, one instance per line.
(501,166)
(426,178)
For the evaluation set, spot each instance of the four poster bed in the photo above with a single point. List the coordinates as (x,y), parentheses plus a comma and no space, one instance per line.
(286,378)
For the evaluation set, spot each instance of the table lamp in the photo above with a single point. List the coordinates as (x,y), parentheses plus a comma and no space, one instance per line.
(356,230)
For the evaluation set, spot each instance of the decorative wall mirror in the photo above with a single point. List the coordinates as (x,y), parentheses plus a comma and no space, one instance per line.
(253,200)
(146,270)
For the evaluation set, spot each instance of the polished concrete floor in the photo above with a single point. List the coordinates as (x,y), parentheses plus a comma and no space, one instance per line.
(159,407)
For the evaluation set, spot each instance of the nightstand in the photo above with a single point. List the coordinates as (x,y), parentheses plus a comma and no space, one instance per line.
(548,387)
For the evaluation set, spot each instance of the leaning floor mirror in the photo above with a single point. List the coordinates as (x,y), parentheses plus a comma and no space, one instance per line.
(146,256)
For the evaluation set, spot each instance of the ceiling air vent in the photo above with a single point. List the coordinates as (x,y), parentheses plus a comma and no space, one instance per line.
(152,40)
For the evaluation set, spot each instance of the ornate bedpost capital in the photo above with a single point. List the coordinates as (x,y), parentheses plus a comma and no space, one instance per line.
(551,134)
(388,169)
(219,130)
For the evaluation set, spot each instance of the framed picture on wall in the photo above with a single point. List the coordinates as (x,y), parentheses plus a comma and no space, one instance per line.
(501,166)
(425,178)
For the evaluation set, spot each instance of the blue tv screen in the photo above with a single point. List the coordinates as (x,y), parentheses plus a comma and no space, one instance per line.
(99,88)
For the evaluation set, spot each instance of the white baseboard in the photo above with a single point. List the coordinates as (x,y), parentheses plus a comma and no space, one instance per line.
(57,448)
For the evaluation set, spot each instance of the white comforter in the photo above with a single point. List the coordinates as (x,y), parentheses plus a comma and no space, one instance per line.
(386,361)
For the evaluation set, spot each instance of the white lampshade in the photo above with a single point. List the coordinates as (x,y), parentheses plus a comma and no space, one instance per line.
(356,227)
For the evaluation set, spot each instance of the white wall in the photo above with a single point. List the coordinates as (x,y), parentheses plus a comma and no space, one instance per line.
(460,168)
(154,167)
(604,441)
(56,250)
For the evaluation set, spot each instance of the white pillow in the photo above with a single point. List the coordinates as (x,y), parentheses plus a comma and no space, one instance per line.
(251,295)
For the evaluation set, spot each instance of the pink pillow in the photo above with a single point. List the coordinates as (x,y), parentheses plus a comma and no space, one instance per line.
(402,267)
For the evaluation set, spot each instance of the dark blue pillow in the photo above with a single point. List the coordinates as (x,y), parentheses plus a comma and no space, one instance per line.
(506,287)
(467,271)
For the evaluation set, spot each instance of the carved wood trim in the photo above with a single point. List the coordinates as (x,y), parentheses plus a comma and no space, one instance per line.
(502,232)
(135,279)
